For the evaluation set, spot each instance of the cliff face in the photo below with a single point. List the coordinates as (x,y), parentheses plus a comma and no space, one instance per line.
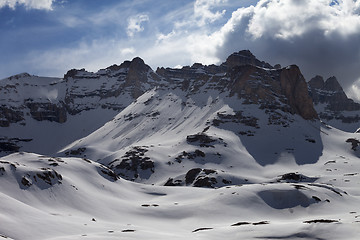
(10,115)
(283,89)
(48,111)
(295,89)
(242,75)
(137,76)
(258,81)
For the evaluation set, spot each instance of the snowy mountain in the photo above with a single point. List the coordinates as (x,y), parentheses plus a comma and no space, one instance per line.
(202,152)
(35,111)
(196,125)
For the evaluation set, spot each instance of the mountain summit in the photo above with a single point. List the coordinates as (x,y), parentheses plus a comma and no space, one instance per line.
(245,57)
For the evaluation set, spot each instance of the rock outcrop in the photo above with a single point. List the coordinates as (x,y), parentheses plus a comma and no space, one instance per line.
(295,89)
(283,89)
(137,76)
(48,111)
(333,104)
(331,93)
(10,115)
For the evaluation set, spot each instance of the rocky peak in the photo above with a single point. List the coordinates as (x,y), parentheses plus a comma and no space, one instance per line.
(137,65)
(137,68)
(332,84)
(329,91)
(125,64)
(245,57)
(72,73)
(317,82)
(114,67)
(137,75)
(20,75)
(331,94)
(284,89)
(197,65)
(295,89)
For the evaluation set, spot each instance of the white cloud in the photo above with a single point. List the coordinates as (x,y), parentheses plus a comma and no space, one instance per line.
(71,21)
(288,19)
(135,24)
(29,4)
(165,37)
(354,90)
(127,51)
(203,13)
(92,56)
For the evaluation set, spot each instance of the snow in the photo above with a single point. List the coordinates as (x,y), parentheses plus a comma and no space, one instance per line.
(123,209)
(277,175)
(336,121)
(40,89)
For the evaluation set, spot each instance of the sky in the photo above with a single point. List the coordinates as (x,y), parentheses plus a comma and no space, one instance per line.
(49,37)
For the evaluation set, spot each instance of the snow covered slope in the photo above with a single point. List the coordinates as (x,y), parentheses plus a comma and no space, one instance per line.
(73,198)
(235,151)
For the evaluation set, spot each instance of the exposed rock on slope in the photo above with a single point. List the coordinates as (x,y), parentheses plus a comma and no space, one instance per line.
(47,111)
(137,76)
(295,89)
(283,89)
(332,103)
(331,93)
(10,115)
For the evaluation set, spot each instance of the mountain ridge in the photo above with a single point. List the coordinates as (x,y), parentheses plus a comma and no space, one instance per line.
(110,90)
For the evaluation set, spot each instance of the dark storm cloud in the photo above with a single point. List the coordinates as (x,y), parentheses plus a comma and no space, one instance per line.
(322,37)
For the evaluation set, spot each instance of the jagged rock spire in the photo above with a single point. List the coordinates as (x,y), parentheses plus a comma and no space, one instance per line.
(330,92)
